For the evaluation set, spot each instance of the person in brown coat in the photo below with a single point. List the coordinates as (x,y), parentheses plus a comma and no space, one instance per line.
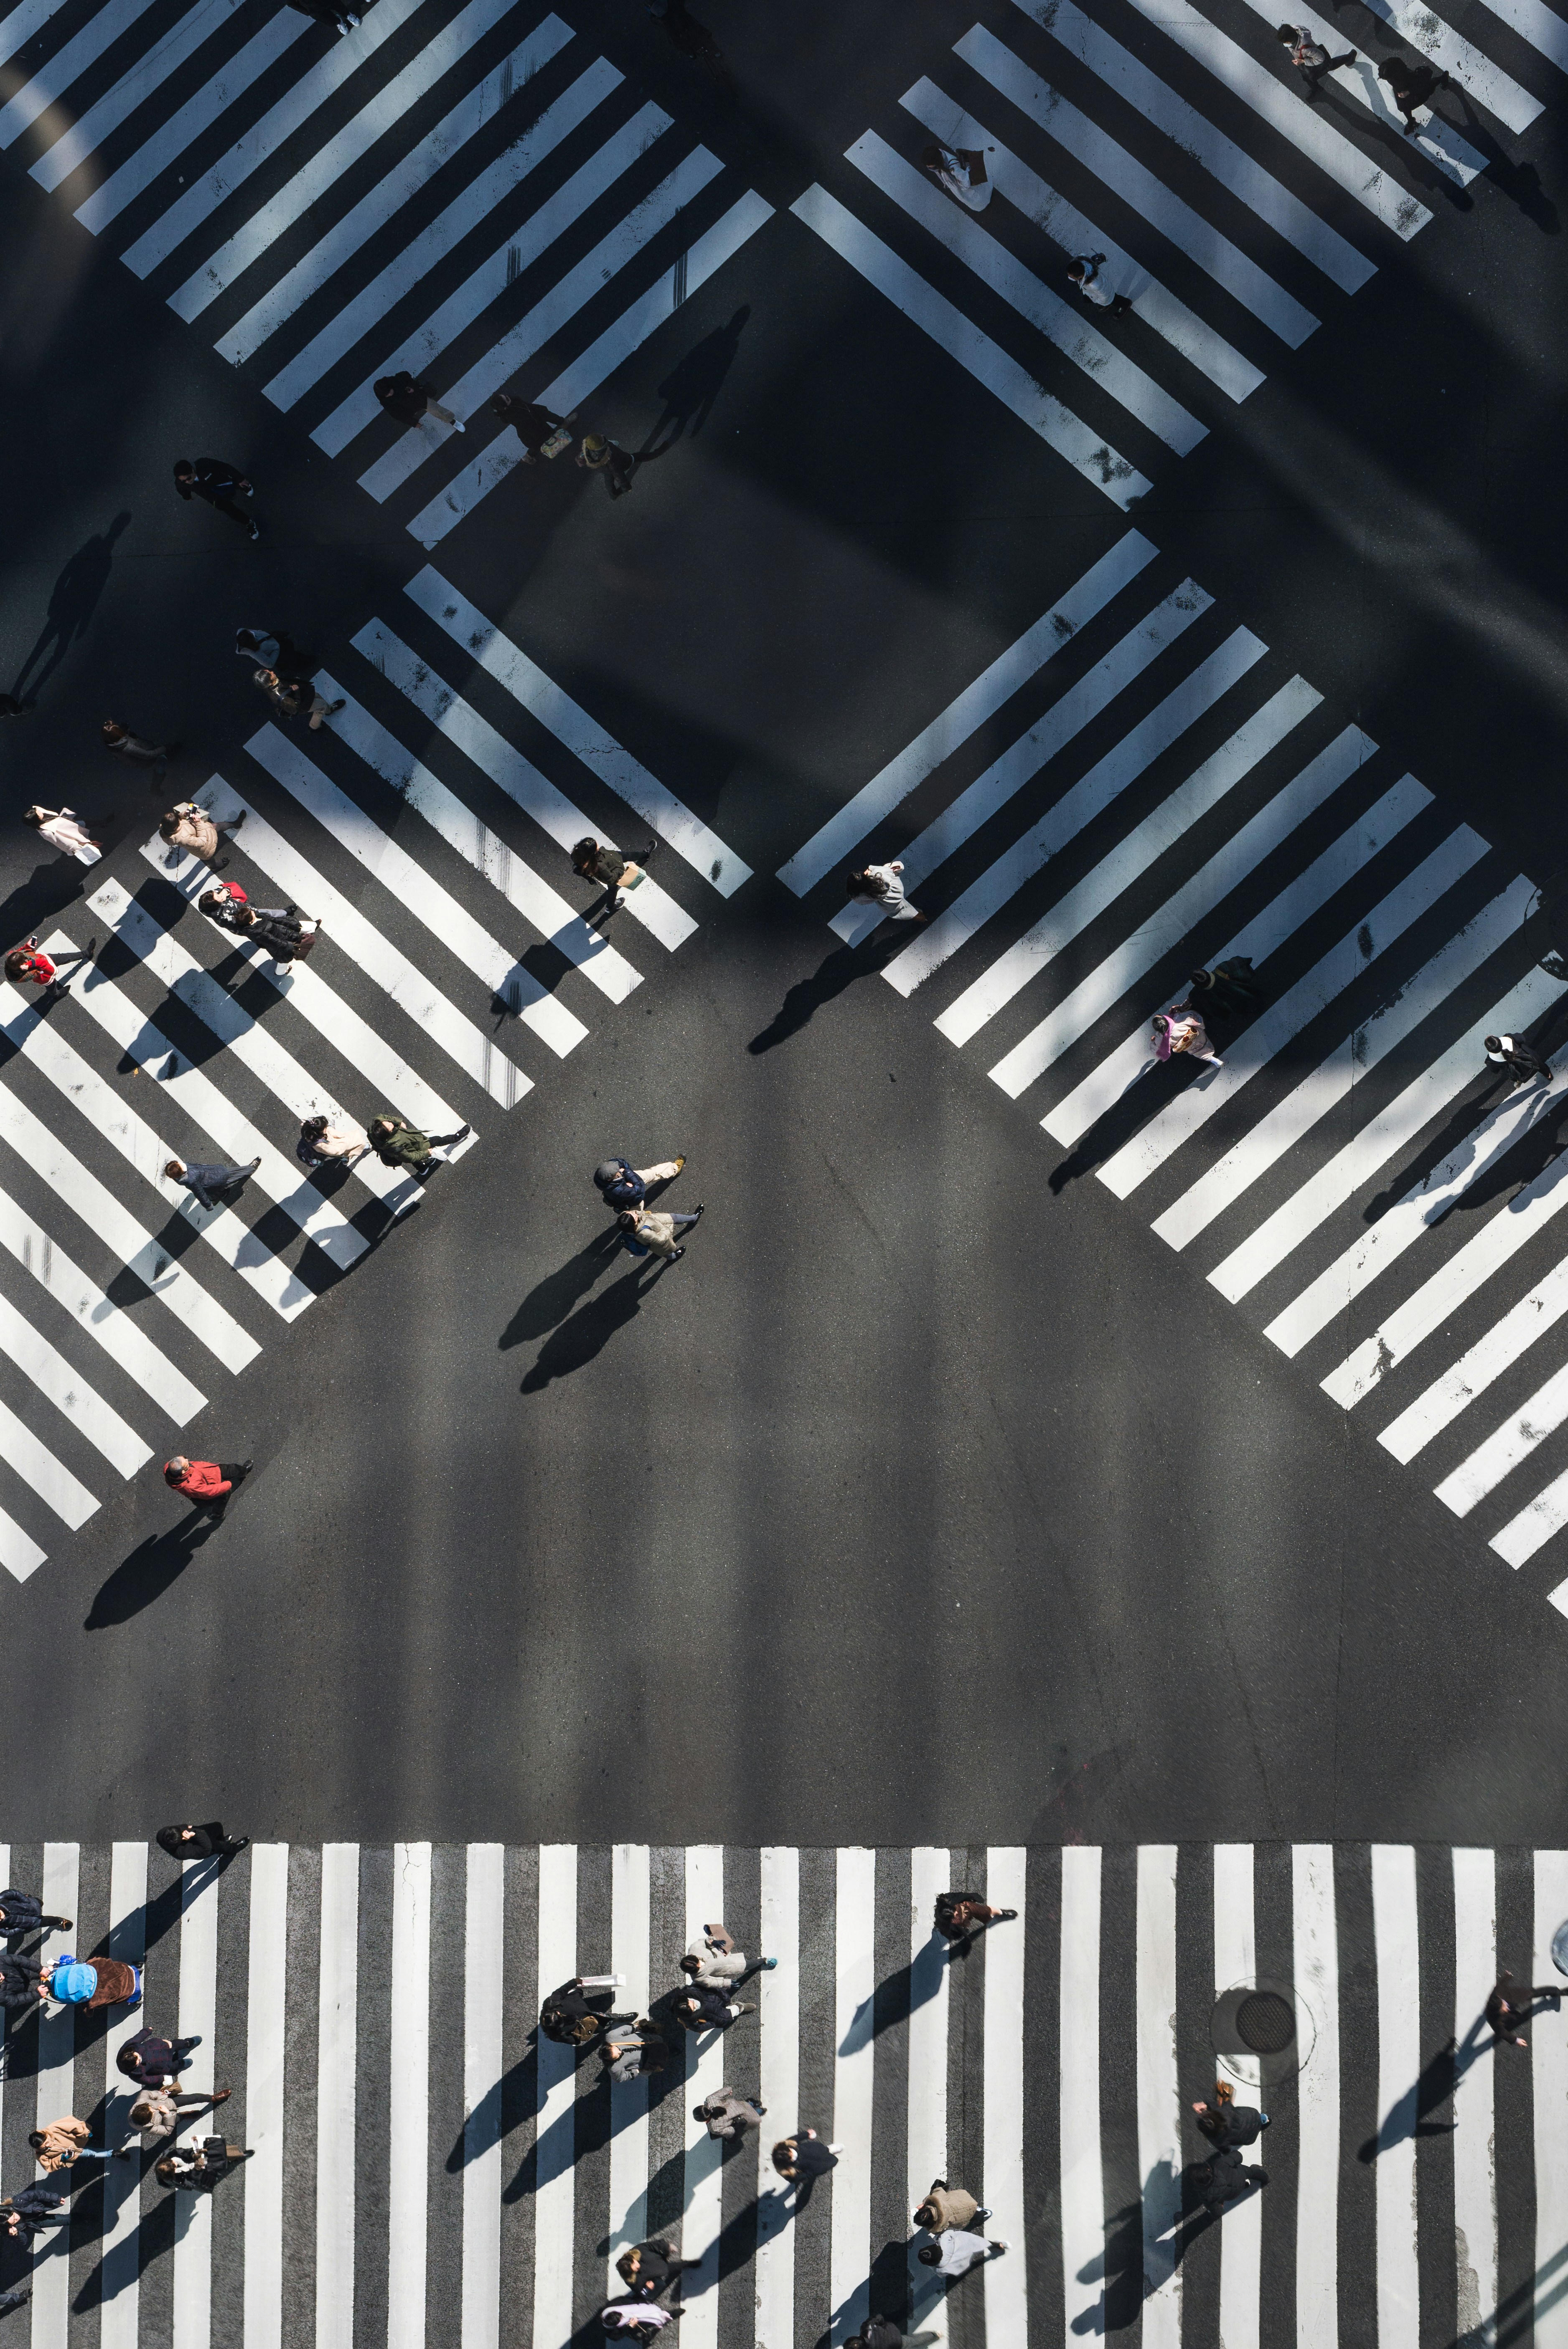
(948,2206)
(59,2143)
(188,826)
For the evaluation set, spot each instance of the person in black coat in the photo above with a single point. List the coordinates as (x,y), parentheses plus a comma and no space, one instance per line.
(152,2062)
(647,2268)
(404,397)
(1226,2179)
(219,484)
(197,1843)
(34,2208)
(704,2007)
(802,2159)
(573,2020)
(23,1912)
(19,1992)
(880,2332)
(1225,2123)
(533,425)
(1519,1056)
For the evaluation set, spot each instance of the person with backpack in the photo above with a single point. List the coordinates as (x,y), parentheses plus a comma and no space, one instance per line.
(95,1982)
(962,1914)
(621,1184)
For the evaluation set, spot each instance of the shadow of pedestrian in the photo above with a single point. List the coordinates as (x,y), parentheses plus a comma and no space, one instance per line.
(689,390)
(150,1569)
(1521,182)
(546,1307)
(587,1333)
(695,40)
(807,997)
(71,606)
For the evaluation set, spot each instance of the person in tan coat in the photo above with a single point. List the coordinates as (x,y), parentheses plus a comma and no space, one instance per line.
(188,826)
(947,2206)
(158,2112)
(646,1232)
(59,2143)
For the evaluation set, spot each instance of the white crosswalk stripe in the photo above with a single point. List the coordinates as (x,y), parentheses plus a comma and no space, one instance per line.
(1339,1174)
(180,1038)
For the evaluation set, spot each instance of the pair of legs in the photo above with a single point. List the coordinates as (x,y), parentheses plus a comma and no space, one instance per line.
(320,710)
(1313,74)
(426,1167)
(636,873)
(236,514)
(58,986)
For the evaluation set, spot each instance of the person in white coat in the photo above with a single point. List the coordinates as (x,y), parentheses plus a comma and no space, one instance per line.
(961,171)
(62,829)
(883,886)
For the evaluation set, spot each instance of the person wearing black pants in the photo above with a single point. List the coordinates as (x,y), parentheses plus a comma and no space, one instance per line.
(1525,1064)
(219,484)
(199,1843)
(1310,58)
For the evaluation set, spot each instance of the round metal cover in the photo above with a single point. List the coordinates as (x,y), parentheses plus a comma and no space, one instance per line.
(1265,2022)
(1560,1949)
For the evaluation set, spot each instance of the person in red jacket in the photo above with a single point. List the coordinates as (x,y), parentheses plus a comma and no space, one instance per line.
(204,1483)
(29,965)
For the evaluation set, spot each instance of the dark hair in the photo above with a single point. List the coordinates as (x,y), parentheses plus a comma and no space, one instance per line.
(628,1219)
(691,1963)
(34,2136)
(169,824)
(183,465)
(1076,269)
(500,403)
(783,2153)
(929,2254)
(1201,977)
(585,850)
(1211,2122)
(16,963)
(852,883)
(656,2054)
(35,816)
(1491,1044)
(1286,33)
(314,1125)
(165,2172)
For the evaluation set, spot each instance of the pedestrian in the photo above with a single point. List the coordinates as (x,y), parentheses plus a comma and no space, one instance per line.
(28,965)
(19,1989)
(287,935)
(295,696)
(608,457)
(1525,1064)
(155,2062)
(59,2143)
(947,2206)
(629,2059)
(274,648)
(961,172)
(96,1982)
(616,875)
(343,20)
(802,2159)
(156,2113)
(1227,988)
(571,2018)
(646,1232)
(323,1143)
(208,1842)
(1225,2178)
(220,484)
(23,1912)
(704,2008)
(635,2320)
(206,1483)
(1410,89)
(959,1914)
(404,397)
(1181,1029)
(199,2167)
(186,826)
(61,829)
(1083,275)
(1506,2009)
(726,2115)
(622,1184)
(36,2206)
(211,1187)
(138,750)
(879,885)
(954,2252)
(402,1147)
(542,432)
(713,1956)
(647,2268)
(1310,57)
(882,2333)
(1224,2122)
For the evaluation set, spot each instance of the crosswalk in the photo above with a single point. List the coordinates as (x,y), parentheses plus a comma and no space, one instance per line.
(454,962)
(1233,215)
(467,193)
(1138,788)
(424,2168)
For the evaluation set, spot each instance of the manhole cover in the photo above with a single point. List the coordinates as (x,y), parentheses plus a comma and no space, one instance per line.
(1265,2022)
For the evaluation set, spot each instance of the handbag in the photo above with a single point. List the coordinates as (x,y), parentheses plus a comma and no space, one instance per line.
(560,439)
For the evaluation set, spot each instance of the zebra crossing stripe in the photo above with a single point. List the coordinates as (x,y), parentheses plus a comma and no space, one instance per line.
(105,1322)
(554,2176)
(1157,2091)
(119,2308)
(74,146)
(1439,140)
(409,2133)
(47,1369)
(630,2161)
(854,2043)
(1539,1310)
(1542,26)
(778,2090)
(1081,2151)
(1545,1515)
(337,2045)
(266,1972)
(52,80)
(1486,83)
(29,18)
(1235,1960)
(1507,1446)
(199,2020)
(52,1482)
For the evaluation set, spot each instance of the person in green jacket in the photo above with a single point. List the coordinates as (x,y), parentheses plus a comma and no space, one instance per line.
(399,1144)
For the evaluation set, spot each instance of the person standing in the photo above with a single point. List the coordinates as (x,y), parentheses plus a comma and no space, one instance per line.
(208,1842)
(882,885)
(204,1483)
(186,826)
(1083,275)
(404,397)
(713,1956)
(1310,57)
(220,484)
(608,457)
(616,875)
(947,2206)
(622,1184)
(60,2143)
(61,829)
(535,425)
(726,2115)
(137,749)
(1181,1029)
(292,697)
(646,1232)
(23,1912)
(155,2062)
(959,1914)
(1226,2179)
(402,1147)
(1525,1064)
(961,171)
(801,2160)
(28,965)
(156,2113)
(954,2252)
(211,1187)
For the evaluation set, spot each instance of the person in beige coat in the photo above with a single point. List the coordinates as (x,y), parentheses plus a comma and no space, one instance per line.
(158,2112)
(646,1232)
(59,2143)
(61,828)
(188,826)
(947,2206)
(714,1958)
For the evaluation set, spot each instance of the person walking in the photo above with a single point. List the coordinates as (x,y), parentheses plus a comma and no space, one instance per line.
(726,2115)
(880,885)
(1310,57)
(404,397)
(1525,1064)
(295,697)
(608,457)
(185,825)
(63,829)
(631,2059)
(882,2333)
(647,2268)
(95,1981)
(621,1184)
(287,935)
(208,1842)
(1507,2008)
(402,1147)
(1409,87)
(960,172)
(954,2252)
(23,1912)
(19,1983)
(704,2008)
(542,432)
(1083,277)
(155,2062)
(635,2320)
(1225,989)
(36,2206)
(714,1958)
(1226,2122)
(211,1187)
(323,1143)
(28,965)
(60,2143)
(156,2113)
(1226,2179)
(616,875)
(573,2019)
(137,749)
(1181,1029)
(199,2167)
(274,648)
(206,1483)
(801,2160)
(220,484)
(947,2206)
(646,1232)
(960,1914)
